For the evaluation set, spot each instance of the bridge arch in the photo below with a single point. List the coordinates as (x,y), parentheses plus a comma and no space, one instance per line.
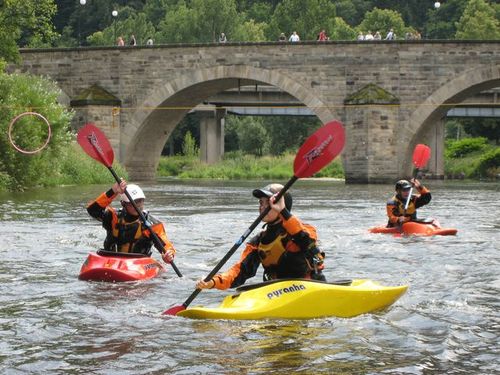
(150,125)
(434,108)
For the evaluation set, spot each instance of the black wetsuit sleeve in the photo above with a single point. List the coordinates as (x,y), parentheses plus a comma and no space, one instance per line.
(98,209)
(423,199)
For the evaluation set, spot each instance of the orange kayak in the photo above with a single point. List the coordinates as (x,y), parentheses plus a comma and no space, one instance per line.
(414,228)
(119,267)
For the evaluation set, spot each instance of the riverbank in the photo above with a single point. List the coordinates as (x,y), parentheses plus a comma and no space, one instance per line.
(71,167)
(472,158)
(237,166)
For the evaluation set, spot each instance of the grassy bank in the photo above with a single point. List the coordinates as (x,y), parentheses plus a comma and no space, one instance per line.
(237,166)
(73,167)
(472,158)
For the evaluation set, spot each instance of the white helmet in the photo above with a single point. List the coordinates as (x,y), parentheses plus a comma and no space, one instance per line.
(135,192)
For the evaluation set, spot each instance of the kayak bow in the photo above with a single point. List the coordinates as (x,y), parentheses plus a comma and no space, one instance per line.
(301,299)
(413,228)
(119,267)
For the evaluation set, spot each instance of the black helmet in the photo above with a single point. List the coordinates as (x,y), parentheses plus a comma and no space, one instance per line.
(270,190)
(403,185)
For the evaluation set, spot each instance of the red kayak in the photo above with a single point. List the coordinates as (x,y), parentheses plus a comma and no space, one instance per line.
(118,267)
(415,228)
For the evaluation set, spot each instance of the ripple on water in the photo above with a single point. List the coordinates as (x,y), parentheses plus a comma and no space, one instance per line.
(50,322)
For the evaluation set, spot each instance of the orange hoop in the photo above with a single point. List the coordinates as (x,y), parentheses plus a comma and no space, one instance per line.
(14,120)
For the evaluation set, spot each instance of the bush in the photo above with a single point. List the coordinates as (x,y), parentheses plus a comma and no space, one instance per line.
(189,146)
(75,167)
(19,93)
(489,163)
(462,147)
(237,166)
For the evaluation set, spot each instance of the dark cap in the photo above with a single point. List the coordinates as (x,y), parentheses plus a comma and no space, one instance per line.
(403,185)
(271,189)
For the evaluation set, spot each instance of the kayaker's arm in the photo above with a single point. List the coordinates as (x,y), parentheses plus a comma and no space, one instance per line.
(97,208)
(393,211)
(304,236)
(159,229)
(241,271)
(424,197)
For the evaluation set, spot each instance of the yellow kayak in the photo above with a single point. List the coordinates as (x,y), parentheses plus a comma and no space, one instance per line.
(301,299)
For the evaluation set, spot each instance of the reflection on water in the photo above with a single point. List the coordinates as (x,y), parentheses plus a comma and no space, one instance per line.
(50,322)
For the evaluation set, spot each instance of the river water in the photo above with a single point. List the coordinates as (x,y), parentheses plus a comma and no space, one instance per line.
(448,322)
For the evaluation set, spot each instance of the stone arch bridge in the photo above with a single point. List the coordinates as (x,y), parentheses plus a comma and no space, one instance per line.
(389,95)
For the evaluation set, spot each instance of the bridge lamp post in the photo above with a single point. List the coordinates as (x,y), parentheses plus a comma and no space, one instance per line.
(114,13)
(82,3)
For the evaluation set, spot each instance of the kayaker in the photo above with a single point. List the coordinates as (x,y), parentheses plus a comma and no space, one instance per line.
(286,247)
(396,205)
(125,231)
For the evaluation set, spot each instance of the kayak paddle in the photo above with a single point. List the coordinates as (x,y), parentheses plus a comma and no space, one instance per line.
(421,156)
(96,145)
(316,152)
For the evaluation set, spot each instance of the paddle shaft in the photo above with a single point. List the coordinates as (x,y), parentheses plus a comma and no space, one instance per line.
(158,243)
(239,242)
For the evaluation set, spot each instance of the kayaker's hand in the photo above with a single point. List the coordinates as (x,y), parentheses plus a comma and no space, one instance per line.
(403,219)
(416,183)
(201,284)
(168,256)
(277,206)
(119,188)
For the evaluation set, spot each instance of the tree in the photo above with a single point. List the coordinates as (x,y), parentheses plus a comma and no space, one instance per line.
(25,91)
(260,12)
(250,31)
(203,21)
(288,133)
(342,31)
(27,23)
(383,20)
(352,11)
(307,17)
(479,21)
(137,25)
(441,22)
(156,10)
(484,127)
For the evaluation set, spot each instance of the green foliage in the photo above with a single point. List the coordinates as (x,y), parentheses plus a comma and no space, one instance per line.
(477,160)
(460,148)
(287,134)
(137,25)
(236,166)
(62,161)
(199,21)
(27,23)
(260,12)
(75,167)
(307,17)
(441,23)
(190,123)
(483,127)
(352,11)
(252,136)
(249,31)
(18,93)
(479,21)
(189,147)
(342,31)
(383,20)
(489,163)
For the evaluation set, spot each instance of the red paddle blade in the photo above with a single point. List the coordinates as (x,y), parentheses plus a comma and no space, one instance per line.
(421,155)
(95,144)
(174,310)
(319,149)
